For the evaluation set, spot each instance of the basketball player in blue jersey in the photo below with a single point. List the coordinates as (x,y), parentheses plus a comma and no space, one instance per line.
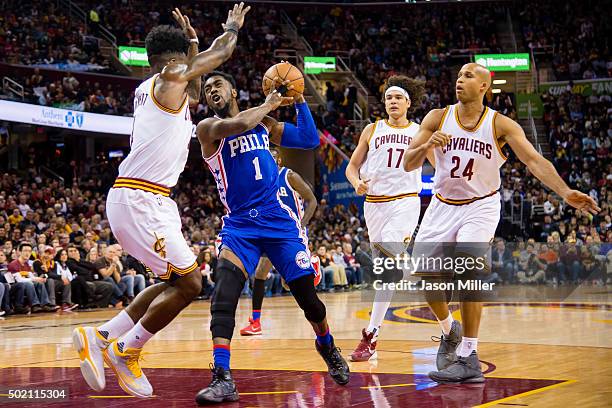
(295,193)
(235,146)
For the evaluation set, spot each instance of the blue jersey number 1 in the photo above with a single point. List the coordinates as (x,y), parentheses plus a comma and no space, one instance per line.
(258,175)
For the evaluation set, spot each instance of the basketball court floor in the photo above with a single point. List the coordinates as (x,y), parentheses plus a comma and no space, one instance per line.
(533,355)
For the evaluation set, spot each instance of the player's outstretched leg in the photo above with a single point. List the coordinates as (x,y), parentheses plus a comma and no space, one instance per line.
(90,342)
(228,287)
(123,354)
(305,294)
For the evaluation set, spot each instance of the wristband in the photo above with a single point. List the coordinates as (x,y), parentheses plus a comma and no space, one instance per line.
(233,30)
(194,40)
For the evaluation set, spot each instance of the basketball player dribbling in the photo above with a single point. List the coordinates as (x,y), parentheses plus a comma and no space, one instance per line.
(236,148)
(142,216)
(467,140)
(393,205)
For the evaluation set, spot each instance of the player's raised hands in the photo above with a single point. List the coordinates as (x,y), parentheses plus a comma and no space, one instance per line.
(183,22)
(275,99)
(235,17)
(581,201)
(439,138)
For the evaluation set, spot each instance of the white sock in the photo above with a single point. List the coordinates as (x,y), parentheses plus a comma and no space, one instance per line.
(446,324)
(116,326)
(379,310)
(468,344)
(136,337)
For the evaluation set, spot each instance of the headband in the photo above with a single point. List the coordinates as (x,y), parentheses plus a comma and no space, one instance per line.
(398,89)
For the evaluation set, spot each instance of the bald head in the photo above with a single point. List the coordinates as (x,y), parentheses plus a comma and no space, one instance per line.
(473,81)
(481,72)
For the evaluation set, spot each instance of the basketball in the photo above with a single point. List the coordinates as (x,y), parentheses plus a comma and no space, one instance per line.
(284,71)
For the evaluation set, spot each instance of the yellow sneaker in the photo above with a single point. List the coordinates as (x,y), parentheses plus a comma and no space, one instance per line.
(124,363)
(90,345)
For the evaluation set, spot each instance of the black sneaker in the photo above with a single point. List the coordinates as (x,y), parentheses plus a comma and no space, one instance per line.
(22,309)
(49,308)
(464,370)
(220,389)
(37,309)
(448,346)
(337,366)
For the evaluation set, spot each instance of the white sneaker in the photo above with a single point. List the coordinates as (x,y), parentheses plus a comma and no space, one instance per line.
(90,345)
(124,363)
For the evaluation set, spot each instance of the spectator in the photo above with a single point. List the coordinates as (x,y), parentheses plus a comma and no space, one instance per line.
(46,267)
(78,286)
(109,267)
(352,266)
(327,270)
(502,262)
(36,290)
(99,292)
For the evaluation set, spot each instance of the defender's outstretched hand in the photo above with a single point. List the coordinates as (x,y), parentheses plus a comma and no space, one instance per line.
(235,17)
(581,201)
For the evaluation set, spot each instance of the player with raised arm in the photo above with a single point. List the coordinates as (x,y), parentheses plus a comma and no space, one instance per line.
(236,147)
(142,216)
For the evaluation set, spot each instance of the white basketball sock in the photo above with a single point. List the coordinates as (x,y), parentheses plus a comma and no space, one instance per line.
(468,344)
(116,326)
(136,337)
(446,324)
(379,309)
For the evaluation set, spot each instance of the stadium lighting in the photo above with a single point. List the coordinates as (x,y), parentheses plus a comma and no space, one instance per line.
(496,90)
(499,81)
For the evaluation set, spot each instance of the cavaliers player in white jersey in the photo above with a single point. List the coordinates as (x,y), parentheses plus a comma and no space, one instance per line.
(142,216)
(467,140)
(392,206)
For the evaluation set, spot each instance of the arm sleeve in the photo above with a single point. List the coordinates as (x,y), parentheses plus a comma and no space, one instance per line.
(304,135)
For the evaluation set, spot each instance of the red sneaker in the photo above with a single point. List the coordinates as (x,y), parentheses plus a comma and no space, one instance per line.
(316,265)
(254,328)
(366,350)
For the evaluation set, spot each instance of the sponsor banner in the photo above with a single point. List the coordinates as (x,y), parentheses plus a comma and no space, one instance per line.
(337,189)
(71,67)
(503,62)
(133,56)
(64,118)
(316,65)
(537,109)
(585,87)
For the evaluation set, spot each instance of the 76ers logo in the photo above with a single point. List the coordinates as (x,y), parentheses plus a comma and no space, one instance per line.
(302,260)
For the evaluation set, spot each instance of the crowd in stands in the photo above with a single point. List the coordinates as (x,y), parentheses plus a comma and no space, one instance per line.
(42,32)
(573,33)
(394,40)
(70,93)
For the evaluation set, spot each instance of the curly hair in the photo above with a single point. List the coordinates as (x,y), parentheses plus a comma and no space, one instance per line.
(415,88)
(165,39)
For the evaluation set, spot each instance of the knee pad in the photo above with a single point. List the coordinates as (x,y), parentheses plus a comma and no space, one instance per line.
(228,286)
(304,292)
